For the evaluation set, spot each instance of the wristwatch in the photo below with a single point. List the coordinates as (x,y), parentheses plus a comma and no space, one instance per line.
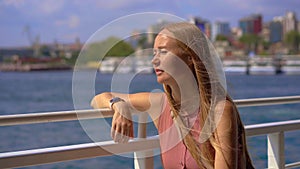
(115,100)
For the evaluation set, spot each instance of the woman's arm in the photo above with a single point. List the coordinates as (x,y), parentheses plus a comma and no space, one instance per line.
(227,137)
(122,127)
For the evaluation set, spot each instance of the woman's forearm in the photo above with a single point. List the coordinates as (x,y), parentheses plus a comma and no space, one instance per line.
(101,100)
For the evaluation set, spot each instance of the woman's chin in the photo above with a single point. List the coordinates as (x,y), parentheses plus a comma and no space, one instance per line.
(159,81)
(162,80)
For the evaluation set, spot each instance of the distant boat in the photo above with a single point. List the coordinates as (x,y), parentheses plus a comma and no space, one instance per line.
(35,64)
(291,67)
(235,66)
(108,66)
(125,66)
(143,66)
(262,66)
(262,70)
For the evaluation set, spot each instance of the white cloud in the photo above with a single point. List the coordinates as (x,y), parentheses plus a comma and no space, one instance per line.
(49,6)
(15,3)
(35,7)
(119,4)
(72,22)
(70,36)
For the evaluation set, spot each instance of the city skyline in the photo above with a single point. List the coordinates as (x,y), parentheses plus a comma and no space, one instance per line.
(64,21)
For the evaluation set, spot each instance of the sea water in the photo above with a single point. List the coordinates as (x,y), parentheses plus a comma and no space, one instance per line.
(33,92)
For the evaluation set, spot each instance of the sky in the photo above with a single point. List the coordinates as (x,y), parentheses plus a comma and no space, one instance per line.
(64,20)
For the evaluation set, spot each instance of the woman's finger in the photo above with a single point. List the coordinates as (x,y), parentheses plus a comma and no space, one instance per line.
(112,131)
(127,136)
(131,131)
(117,137)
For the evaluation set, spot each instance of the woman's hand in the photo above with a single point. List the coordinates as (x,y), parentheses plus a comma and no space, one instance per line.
(122,126)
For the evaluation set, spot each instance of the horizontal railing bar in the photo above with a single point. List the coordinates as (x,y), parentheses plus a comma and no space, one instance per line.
(32,118)
(46,117)
(273,127)
(74,152)
(267,101)
(292,165)
(90,150)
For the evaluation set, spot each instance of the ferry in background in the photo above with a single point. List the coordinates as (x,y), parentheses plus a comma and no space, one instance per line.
(291,66)
(262,66)
(257,65)
(126,65)
(26,64)
(143,66)
(235,66)
(108,66)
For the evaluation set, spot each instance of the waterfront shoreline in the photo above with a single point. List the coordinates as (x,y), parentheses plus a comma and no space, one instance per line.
(10,67)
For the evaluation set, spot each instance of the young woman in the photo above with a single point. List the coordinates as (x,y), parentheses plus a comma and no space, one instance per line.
(198,123)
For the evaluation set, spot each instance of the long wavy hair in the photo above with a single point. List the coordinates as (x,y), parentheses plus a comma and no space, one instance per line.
(193,43)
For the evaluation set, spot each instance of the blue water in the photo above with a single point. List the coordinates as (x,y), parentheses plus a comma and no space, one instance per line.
(52,91)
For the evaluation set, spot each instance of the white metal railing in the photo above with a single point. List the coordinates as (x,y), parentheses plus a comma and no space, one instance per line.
(141,146)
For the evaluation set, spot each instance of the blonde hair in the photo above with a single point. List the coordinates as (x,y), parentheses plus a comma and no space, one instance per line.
(192,42)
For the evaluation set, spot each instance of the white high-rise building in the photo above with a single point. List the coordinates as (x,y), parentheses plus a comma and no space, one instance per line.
(289,22)
(154,29)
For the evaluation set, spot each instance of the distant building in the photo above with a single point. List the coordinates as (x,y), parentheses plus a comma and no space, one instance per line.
(134,38)
(265,32)
(236,32)
(7,53)
(154,29)
(289,22)
(202,24)
(276,30)
(251,24)
(220,28)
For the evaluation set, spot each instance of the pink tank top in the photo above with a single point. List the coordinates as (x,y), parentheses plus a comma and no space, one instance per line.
(174,153)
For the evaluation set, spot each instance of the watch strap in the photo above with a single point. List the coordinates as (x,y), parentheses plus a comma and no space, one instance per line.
(115,100)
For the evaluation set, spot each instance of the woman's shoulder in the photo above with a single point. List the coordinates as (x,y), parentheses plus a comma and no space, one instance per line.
(226,114)
(225,106)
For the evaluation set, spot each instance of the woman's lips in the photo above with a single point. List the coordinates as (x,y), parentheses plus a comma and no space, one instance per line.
(158,72)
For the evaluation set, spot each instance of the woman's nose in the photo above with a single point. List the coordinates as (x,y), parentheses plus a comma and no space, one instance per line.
(155,61)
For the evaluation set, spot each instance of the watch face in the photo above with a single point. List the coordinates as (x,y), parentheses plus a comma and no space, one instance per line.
(115,99)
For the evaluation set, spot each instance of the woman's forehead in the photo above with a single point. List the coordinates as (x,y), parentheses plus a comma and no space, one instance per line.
(163,39)
(167,33)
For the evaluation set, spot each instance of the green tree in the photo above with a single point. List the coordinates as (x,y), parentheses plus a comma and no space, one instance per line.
(111,46)
(122,48)
(71,61)
(251,41)
(142,42)
(220,37)
(292,38)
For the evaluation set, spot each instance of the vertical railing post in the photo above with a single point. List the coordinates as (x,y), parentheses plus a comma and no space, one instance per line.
(143,159)
(276,157)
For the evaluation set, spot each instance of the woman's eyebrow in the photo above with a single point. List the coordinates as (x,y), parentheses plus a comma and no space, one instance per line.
(162,47)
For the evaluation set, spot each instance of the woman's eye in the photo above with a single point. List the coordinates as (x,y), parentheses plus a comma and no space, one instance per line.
(163,52)
(160,52)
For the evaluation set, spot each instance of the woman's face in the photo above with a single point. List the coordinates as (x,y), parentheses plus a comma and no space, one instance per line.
(166,61)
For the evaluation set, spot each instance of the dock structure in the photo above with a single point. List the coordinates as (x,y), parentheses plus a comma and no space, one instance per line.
(142,146)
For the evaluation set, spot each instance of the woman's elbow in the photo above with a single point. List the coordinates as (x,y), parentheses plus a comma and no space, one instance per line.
(96,102)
